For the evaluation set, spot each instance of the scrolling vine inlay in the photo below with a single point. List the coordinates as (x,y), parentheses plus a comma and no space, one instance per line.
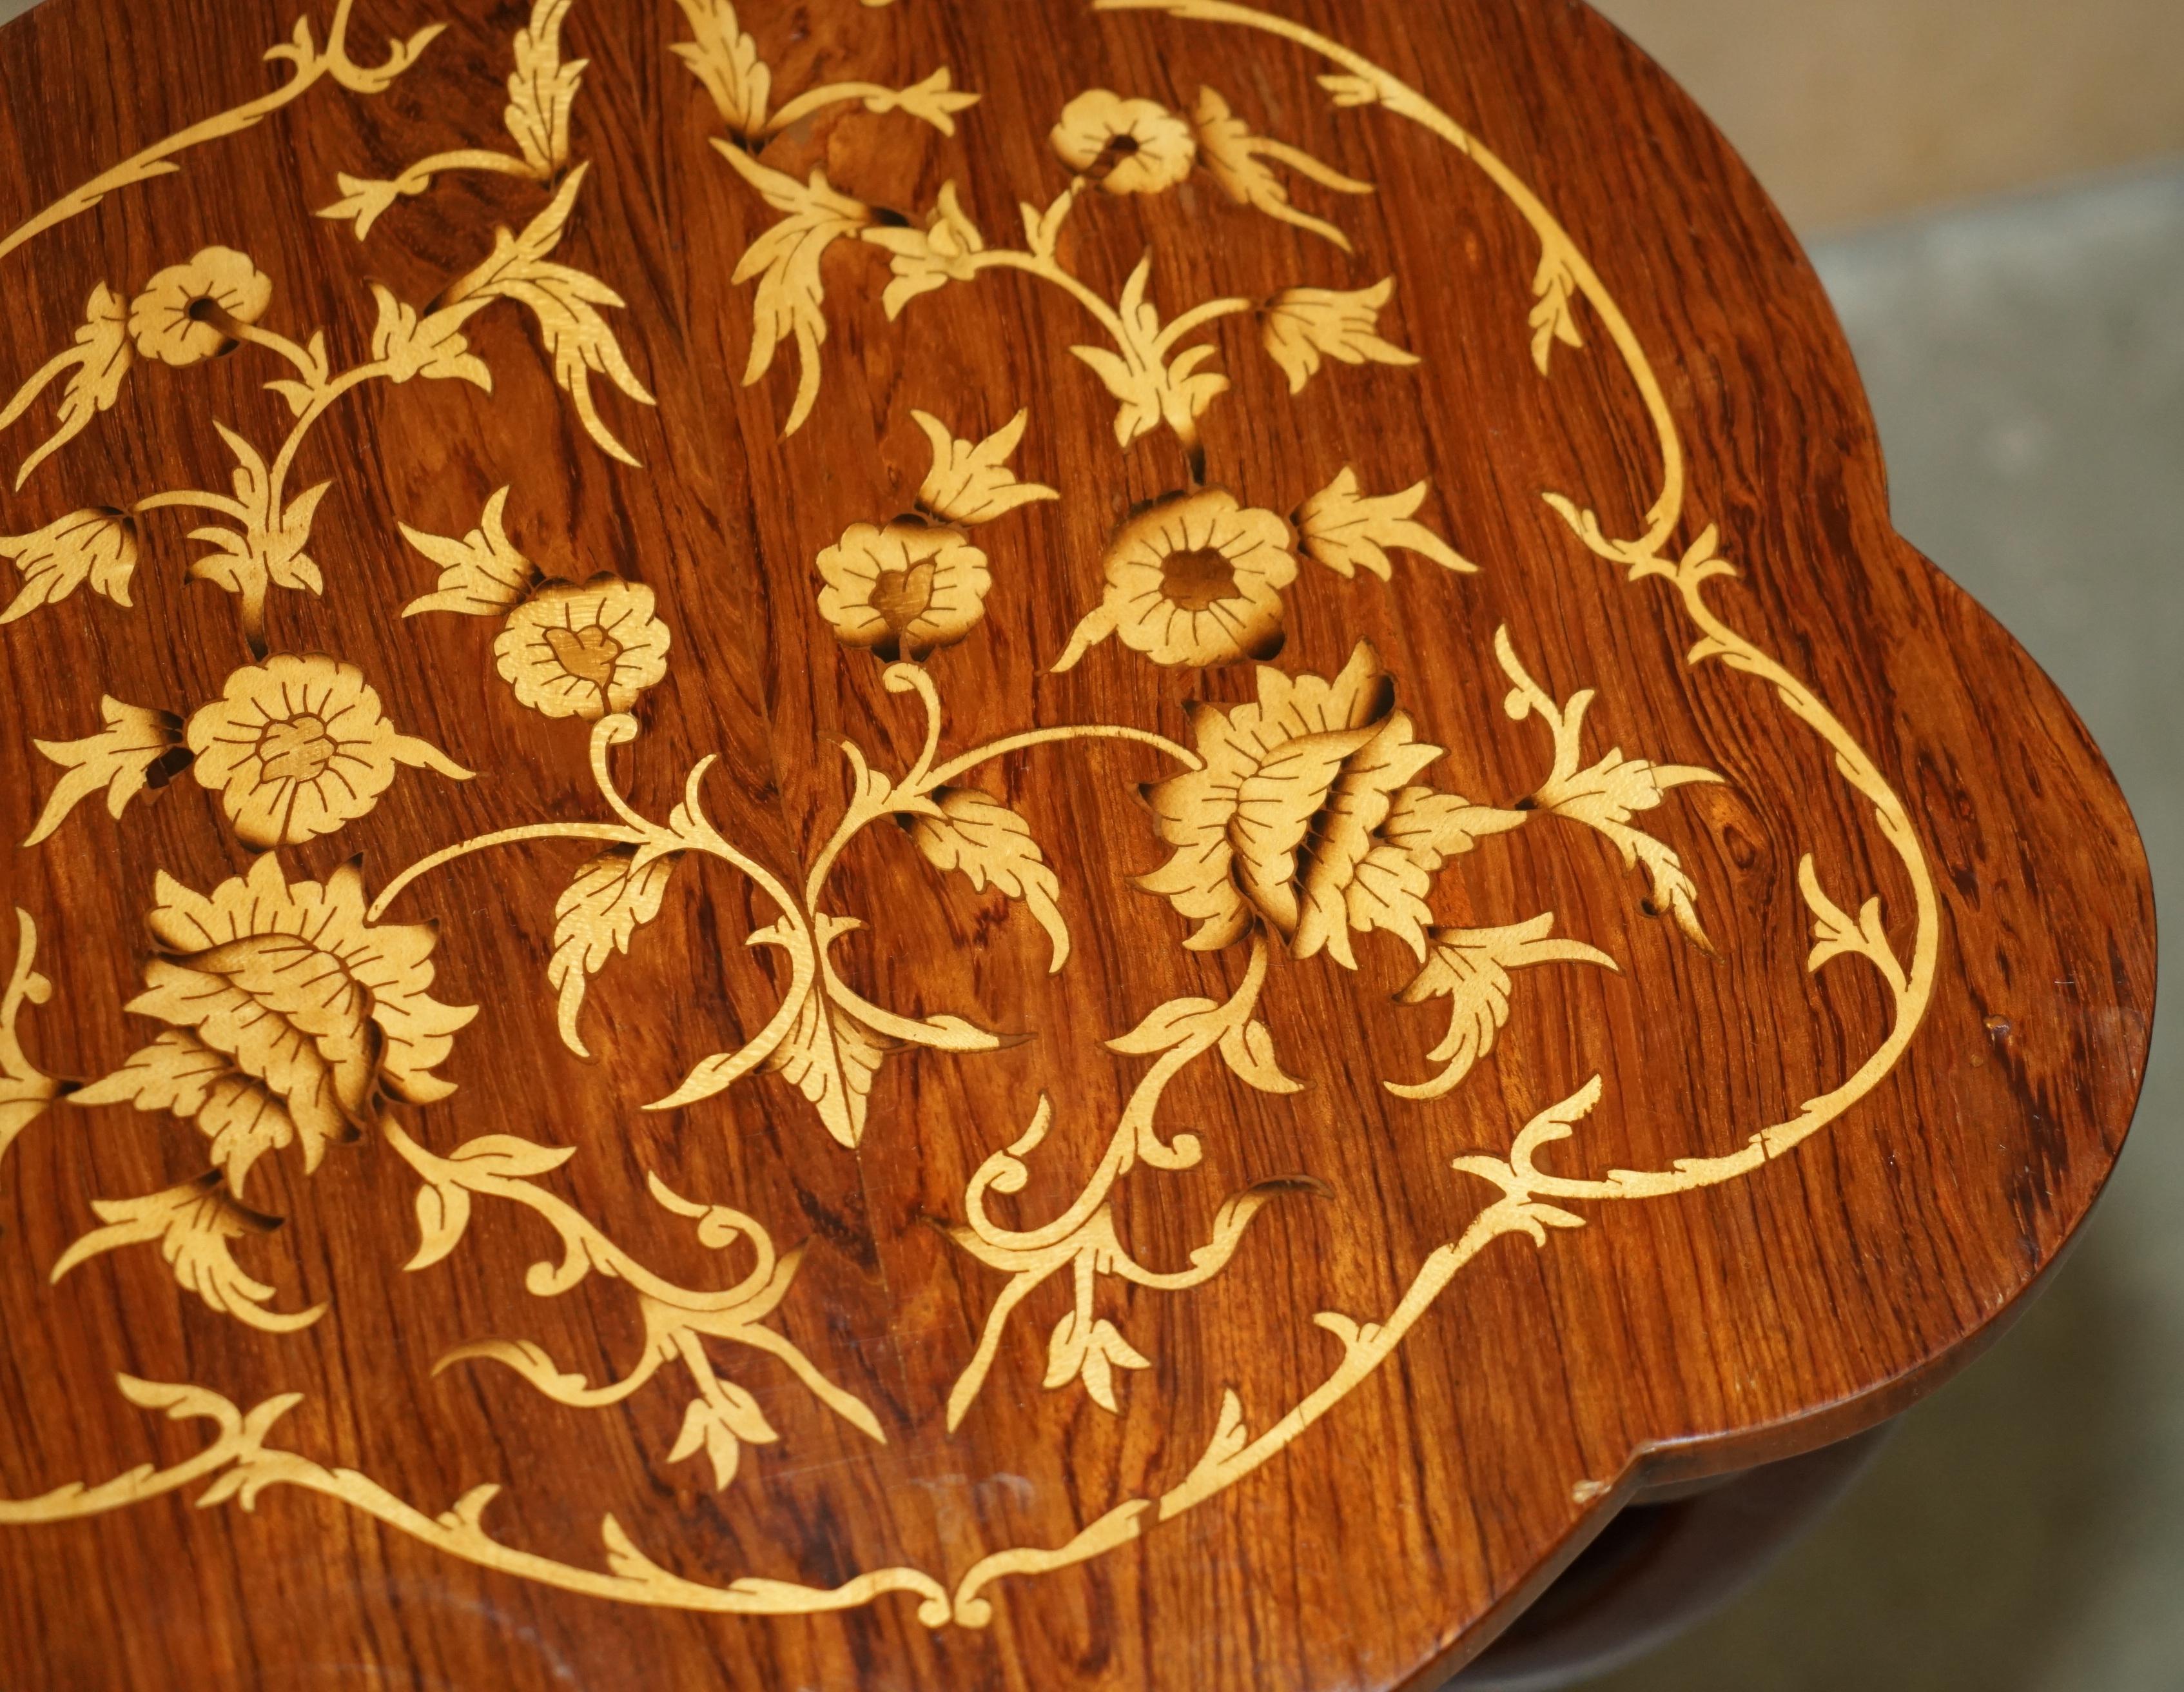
(1299,811)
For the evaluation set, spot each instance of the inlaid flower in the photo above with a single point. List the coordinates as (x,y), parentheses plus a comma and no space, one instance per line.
(903,590)
(97,545)
(287,994)
(1300,814)
(583,650)
(1194,578)
(292,1018)
(297,746)
(175,318)
(945,250)
(1127,147)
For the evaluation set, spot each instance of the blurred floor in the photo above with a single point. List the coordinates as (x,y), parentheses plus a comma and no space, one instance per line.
(2025,1531)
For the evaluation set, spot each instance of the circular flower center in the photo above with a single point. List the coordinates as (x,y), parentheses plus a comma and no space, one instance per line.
(588,654)
(296,749)
(1197,578)
(902,596)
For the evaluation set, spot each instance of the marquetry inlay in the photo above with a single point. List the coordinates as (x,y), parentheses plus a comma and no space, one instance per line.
(1376,688)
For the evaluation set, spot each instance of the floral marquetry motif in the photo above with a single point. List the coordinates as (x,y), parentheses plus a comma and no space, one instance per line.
(297,746)
(1193,579)
(1127,147)
(582,650)
(966,844)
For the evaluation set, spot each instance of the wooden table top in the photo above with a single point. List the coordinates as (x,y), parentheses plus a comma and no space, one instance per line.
(965,843)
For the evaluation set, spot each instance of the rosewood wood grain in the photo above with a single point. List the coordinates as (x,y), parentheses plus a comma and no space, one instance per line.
(965,844)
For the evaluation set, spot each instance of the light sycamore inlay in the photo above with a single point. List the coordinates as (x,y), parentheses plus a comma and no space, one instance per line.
(296,1013)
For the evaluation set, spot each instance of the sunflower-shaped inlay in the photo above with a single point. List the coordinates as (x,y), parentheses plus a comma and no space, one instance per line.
(1302,803)
(297,746)
(292,1018)
(573,650)
(1194,578)
(1127,147)
(177,317)
(903,590)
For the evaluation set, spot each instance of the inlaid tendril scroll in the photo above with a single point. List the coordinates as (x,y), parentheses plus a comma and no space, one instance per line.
(299,1015)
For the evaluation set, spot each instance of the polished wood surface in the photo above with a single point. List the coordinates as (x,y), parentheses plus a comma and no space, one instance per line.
(965,844)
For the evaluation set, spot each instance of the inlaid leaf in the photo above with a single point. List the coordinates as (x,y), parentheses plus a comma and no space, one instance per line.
(181,1403)
(1835,934)
(1246,1046)
(1423,828)
(281,550)
(1093,1351)
(1347,89)
(723,57)
(528,1359)
(1230,1435)
(1343,529)
(972,482)
(97,365)
(508,1157)
(26,1090)
(1248,1049)
(785,261)
(97,544)
(242,1118)
(1605,796)
(1276,806)
(195,1226)
(1237,161)
(365,200)
(1553,285)
(611,897)
(124,758)
(443,1213)
(980,838)
(1611,791)
(924,258)
(1429,827)
(481,575)
(1169,1025)
(267,550)
(433,346)
(565,302)
(1042,229)
(1517,1175)
(261,962)
(1241,824)
(1387,893)
(721,1425)
(542,89)
(302,391)
(1470,968)
(1304,326)
(832,1058)
(934,100)
(1153,385)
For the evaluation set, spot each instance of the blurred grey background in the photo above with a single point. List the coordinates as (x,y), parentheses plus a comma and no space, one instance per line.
(1994,191)
(2024,1532)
